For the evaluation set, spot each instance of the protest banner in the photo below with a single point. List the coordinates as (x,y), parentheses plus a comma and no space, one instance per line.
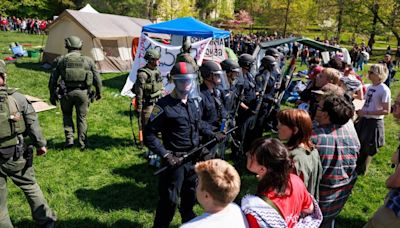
(167,60)
(215,50)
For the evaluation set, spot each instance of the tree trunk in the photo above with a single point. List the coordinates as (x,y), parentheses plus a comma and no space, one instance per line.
(371,40)
(286,17)
(340,19)
(397,35)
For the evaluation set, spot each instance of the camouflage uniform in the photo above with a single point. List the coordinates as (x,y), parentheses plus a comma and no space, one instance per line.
(78,73)
(18,118)
(148,87)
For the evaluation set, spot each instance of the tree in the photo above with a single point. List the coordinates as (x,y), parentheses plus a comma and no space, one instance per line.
(170,9)
(34,8)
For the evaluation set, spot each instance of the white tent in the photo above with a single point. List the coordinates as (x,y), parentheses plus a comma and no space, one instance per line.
(106,38)
(88,9)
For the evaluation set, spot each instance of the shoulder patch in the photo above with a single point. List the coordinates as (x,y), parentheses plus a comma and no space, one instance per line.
(157,110)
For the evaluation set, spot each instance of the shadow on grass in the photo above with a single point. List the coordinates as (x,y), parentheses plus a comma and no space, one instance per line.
(138,194)
(36,66)
(116,82)
(346,222)
(86,222)
(96,142)
(125,113)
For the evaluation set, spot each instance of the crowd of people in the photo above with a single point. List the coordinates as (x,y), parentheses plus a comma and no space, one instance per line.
(25,25)
(305,175)
(242,44)
(320,151)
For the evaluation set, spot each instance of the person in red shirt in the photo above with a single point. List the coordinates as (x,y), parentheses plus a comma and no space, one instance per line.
(3,23)
(270,161)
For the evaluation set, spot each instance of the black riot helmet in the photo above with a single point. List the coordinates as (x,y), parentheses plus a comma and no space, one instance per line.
(273,52)
(228,65)
(268,62)
(209,68)
(246,61)
(184,77)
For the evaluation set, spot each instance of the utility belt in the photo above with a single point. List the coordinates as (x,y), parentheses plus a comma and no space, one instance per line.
(147,101)
(16,151)
(69,89)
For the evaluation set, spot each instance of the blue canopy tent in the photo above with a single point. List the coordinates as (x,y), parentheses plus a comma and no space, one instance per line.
(186,26)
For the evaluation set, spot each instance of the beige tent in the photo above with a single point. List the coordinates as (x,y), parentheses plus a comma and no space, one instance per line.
(106,38)
(88,9)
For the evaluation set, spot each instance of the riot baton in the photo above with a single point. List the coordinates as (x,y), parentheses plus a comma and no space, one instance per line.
(185,157)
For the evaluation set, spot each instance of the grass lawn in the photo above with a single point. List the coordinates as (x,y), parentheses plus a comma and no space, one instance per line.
(111,185)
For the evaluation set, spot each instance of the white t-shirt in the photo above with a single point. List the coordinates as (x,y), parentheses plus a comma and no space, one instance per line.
(230,216)
(374,98)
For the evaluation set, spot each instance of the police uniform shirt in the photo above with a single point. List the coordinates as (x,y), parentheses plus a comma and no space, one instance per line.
(230,98)
(180,125)
(260,80)
(212,113)
(249,84)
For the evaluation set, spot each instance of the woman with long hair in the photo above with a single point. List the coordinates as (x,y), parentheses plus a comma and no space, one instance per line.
(281,196)
(295,128)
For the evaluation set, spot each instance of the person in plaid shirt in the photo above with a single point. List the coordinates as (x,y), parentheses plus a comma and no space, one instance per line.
(337,143)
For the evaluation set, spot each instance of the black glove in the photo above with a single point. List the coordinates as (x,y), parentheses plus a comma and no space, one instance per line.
(53,100)
(98,96)
(219,136)
(172,160)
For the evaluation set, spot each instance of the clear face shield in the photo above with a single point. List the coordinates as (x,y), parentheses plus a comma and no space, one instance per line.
(233,76)
(186,85)
(220,80)
(276,69)
(253,69)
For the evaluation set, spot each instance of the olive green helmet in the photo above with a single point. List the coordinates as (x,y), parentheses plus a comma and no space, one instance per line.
(73,42)
(152,54)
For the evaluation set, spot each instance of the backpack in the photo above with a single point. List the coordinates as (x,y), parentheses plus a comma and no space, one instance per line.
(11,120)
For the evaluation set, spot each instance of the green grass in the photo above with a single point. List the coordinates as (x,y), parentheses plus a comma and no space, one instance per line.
(111,185)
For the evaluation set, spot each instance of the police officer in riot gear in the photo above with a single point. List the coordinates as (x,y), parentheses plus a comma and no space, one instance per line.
(177,117)
(248,105)
(213,109)
(213,78)
(231,95)
(268,79)
(70,83)
(18,118)
(148,86)
(280,58)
